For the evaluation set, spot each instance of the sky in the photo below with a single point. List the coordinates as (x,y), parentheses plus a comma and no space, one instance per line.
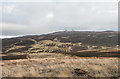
(26,18)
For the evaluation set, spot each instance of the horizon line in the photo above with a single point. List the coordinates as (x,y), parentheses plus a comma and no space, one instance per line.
(14,36)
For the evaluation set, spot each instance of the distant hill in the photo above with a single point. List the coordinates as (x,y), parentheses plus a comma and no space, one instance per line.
(104,38)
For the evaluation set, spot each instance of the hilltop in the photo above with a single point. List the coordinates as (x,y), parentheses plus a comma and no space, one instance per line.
(62,42)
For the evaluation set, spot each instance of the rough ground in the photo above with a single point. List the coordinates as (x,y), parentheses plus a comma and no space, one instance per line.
(59,65)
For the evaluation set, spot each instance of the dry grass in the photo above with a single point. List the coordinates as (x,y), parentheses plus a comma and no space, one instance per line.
(59,65)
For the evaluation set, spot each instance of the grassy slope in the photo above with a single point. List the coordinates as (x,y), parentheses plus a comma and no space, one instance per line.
(59,65)
(29,43)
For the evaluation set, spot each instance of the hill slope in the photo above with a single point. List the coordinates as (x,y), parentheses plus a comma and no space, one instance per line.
(62,39)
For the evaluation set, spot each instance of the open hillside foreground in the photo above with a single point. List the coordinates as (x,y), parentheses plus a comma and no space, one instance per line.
(60,65)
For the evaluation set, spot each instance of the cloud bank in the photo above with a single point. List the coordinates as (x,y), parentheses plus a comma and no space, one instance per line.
(21,18)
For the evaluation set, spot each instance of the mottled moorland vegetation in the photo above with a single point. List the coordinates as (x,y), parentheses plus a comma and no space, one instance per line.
(62,54)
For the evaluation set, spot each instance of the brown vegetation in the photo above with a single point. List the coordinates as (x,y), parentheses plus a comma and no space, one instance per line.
(60,65)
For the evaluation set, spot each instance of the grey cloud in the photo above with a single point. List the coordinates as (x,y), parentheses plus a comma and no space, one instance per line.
(47,17)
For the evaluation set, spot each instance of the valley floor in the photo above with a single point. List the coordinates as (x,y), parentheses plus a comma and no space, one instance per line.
(60,65)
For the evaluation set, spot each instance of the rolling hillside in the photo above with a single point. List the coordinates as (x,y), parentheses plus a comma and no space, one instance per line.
(61,42)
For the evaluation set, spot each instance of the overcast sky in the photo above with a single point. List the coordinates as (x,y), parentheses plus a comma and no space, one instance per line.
(21,18)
